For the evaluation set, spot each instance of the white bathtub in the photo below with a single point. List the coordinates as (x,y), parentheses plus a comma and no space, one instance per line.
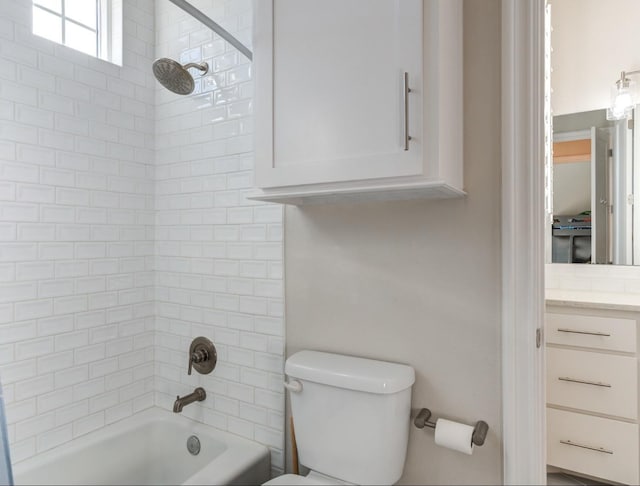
(149,448)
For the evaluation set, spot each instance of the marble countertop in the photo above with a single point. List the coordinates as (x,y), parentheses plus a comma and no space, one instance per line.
(593,299)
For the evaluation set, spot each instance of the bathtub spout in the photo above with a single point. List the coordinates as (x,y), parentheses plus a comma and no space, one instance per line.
(197,396)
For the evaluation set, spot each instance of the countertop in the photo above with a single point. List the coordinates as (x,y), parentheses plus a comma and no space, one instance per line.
(593,299)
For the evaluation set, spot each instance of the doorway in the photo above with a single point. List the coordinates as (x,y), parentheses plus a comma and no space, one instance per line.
(523,242)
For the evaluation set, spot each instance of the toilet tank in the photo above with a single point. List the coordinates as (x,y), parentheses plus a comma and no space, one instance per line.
(351,416)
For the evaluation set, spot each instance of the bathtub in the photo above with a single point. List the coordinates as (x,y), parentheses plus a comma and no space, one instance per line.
(149,448)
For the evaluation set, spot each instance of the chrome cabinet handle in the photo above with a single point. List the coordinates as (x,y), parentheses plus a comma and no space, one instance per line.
(584,382)
(597,449)
(590,333)
(405,101)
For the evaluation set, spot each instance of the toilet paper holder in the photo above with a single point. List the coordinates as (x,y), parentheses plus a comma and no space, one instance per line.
(479,431)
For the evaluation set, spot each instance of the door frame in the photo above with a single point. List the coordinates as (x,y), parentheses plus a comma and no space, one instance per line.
(523,142)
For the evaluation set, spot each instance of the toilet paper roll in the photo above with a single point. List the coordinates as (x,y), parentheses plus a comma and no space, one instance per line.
(454,435)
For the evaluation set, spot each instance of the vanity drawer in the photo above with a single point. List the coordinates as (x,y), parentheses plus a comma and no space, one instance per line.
(591,381)
(610,333)
(596,446)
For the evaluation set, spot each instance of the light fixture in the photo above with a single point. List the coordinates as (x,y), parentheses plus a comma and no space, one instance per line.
(622,97)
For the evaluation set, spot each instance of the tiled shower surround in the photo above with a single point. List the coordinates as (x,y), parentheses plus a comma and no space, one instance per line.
(76,224)
(218,255)
(125,232)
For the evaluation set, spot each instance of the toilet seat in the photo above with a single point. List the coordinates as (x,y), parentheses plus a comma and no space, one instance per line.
(313,478)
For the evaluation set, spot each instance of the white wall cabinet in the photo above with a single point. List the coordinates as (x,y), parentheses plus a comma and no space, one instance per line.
(358,99)
(592,393)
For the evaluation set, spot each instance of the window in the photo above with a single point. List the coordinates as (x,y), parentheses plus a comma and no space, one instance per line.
(90,26)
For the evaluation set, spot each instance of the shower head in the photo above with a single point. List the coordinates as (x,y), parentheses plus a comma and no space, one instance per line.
(175,77)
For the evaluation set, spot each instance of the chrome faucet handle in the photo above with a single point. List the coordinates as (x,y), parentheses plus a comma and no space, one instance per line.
(202,356)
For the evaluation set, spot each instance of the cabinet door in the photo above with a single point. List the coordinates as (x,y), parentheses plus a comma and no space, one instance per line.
(598,332)
(330,97)
(595,446)
(595,382)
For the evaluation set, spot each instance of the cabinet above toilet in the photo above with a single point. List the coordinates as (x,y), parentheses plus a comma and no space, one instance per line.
(340,116)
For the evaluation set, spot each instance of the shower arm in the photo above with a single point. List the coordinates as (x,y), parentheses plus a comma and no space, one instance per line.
(202,67)
(217,28)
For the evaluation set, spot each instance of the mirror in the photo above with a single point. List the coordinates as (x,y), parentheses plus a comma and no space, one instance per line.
(593,190)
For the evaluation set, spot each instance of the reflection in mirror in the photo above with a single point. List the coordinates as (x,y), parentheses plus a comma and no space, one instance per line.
(593,190)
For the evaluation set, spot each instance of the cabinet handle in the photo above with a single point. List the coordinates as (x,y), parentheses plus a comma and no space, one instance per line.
(590,333)
(597,449)
(405,101)
(585,382)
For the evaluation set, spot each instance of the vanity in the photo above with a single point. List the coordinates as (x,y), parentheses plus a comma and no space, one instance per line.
(592,384)
(593,311)
(592,245)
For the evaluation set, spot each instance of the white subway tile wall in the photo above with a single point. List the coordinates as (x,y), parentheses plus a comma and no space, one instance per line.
(76,231)
(595,278)
(218,263)
(125,232)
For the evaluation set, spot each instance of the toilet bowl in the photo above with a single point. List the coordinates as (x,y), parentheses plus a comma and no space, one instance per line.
(311,478)
(351,418)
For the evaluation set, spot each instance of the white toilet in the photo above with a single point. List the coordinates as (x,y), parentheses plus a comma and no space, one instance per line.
(351,418)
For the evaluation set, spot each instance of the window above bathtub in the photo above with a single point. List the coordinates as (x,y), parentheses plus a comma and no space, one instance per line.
(90,26)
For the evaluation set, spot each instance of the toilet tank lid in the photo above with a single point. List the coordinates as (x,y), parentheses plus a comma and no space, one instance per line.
(349,372)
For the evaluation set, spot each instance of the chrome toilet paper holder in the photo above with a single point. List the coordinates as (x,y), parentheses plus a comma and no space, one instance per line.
(479,431)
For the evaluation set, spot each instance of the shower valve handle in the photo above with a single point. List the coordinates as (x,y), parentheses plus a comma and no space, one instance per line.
(202,356)
(198,356)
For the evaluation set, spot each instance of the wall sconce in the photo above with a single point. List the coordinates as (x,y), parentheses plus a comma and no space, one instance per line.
(622,97)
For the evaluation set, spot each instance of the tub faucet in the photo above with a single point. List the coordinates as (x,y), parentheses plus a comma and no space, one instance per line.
(197,396)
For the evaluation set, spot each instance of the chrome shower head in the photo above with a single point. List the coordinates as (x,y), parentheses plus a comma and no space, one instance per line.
(175,77)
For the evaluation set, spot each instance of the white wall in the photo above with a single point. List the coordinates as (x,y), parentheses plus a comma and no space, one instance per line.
(592,41)
(218,255)
(76,231)
(571,188)
(418,282)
